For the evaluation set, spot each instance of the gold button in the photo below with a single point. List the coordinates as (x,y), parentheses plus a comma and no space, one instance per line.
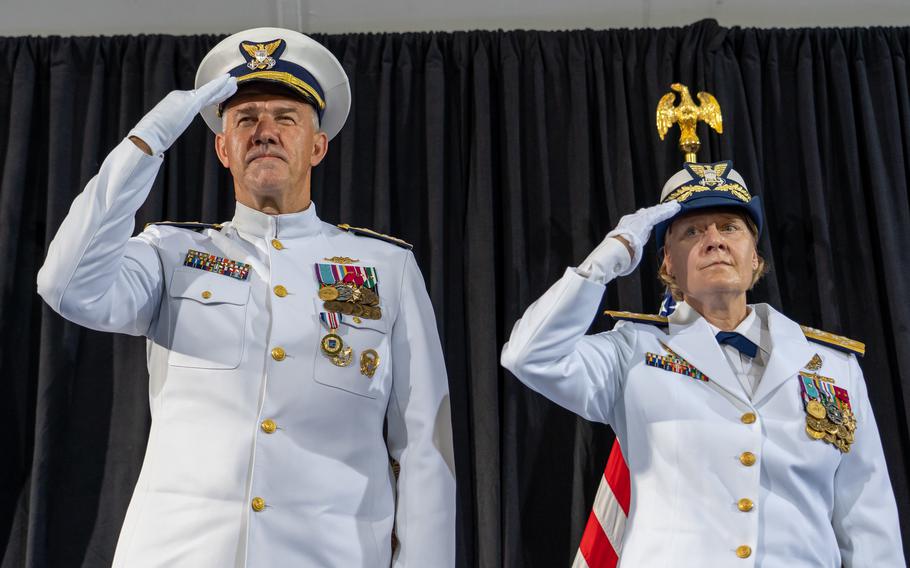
(268,426)
(258,504)
(276,244)
(744,551)
(280,291)
(357,320)
(278,354)
(206,294)
(748,418)
(747,459)
(745,505)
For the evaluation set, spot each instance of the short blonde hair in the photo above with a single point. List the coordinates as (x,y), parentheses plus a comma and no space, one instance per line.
(677,293)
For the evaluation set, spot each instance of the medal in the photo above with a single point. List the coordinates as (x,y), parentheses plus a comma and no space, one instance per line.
(331,343)
(816,410)
(328,293)
(814,434)
(349,290)
(344,358)
(828,413)
(369,362)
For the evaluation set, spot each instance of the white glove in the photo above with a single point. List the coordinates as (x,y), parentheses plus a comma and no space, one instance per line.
(170,117)
(611,257)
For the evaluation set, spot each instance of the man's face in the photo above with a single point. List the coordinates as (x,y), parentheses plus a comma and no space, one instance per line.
(270,144)
(711,254)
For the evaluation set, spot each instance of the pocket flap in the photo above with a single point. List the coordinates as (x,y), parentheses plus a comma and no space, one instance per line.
(379,325)
(208,288)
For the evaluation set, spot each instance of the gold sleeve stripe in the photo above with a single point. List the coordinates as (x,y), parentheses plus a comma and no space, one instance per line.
(835,341)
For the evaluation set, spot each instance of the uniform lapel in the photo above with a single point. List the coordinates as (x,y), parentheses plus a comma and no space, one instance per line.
(695,343)
(790,352)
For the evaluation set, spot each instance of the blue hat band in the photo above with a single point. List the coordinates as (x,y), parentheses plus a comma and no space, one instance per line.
(288,74)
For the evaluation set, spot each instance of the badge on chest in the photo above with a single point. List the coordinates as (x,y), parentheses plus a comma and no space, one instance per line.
(352,291)
(829,416)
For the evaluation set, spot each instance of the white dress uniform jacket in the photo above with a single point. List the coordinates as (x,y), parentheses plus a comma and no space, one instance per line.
(694,451)
(234,419)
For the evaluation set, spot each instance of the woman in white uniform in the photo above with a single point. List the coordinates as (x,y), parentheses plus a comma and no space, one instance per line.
(749,439)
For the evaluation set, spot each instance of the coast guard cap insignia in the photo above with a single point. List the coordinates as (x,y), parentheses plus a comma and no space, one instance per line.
(262,56)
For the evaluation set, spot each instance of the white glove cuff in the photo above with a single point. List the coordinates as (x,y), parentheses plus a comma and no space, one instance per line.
(609,260)
(636,245)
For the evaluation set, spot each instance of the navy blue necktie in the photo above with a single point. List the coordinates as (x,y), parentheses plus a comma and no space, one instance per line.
(739,341)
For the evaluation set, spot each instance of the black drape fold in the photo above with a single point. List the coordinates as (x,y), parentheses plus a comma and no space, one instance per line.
(504,157)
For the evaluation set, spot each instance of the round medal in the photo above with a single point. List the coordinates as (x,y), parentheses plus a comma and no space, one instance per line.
(369,297)
(815,423)
(816,409)
(331,344)
(814,434)
(328,293)
(333,306)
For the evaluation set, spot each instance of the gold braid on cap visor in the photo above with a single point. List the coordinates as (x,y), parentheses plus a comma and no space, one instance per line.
(683,193)
(282,77)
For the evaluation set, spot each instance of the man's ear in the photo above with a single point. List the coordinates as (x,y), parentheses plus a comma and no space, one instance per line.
(221,150)
(320,147)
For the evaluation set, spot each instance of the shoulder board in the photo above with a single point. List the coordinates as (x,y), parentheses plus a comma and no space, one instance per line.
(190,225)
(638,318)
(360,231)
(838,342)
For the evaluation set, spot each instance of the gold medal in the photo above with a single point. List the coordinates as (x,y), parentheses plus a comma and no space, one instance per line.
(344,358)
(814,434)
(816,424)
(816,409)
(332,306)
(328,293)
(331,344)
(368,297)
(369,362)
(356,309)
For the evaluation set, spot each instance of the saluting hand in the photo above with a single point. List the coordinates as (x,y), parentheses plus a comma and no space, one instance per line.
(163,124)
(620,252)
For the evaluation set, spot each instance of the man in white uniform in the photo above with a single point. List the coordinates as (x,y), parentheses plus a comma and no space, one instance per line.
(750,440)
(289,359)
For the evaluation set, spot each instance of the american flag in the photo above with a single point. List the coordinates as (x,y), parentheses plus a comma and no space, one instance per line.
(601,543)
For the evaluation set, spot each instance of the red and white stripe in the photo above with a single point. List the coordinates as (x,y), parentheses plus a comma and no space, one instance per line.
(601,543)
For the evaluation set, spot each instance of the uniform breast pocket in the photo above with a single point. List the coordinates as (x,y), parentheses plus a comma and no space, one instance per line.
(208,319)
(362,365)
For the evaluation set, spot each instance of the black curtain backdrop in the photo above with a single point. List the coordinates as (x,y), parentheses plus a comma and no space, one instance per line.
(504,157)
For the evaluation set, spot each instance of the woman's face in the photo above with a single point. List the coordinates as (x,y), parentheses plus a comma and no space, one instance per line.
(711,254)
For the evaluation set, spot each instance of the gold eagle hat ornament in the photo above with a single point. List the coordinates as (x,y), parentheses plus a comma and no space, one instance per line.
(698,185)
(283,57)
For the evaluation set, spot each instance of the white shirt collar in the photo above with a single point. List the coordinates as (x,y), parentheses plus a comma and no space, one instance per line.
(754,328)
(290,225)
